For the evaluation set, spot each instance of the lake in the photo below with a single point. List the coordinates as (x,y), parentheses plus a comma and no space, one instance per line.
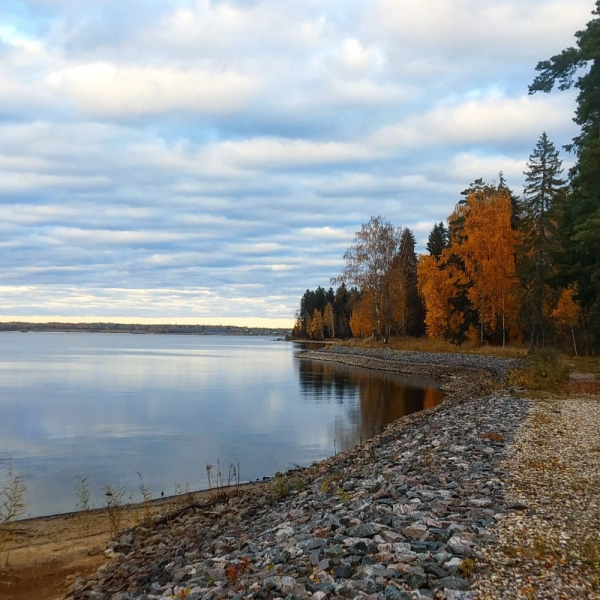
(109,406)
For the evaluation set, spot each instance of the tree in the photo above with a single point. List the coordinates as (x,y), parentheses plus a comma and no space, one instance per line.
(487,249)
(329,319)
(541,196)
(439,239)
(342,310)
(408,311)
(567,311)
(316,325)
(581,215)
(440,283)
(368,265)
(515,202)
(361,321)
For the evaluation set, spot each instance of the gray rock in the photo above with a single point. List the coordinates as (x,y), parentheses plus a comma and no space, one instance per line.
(365,530)
(418,531)
(452,583)
(459,546)
(343,571)
(415,578)
(393,593)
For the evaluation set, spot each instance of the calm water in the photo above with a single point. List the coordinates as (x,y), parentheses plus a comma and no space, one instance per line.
(107,406)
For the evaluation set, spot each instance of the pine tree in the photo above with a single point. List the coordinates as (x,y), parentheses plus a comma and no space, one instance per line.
(342,311)
(409,312)
(438,240)
(541,195)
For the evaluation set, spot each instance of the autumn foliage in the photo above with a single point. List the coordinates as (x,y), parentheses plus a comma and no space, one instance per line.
(493,275)
(473,278)
(568,311)
(487,249)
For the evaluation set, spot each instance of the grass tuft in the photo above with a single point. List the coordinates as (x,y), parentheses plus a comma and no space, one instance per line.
(280,486)
(12,506)
(83,504)
(114,507)
(466,568)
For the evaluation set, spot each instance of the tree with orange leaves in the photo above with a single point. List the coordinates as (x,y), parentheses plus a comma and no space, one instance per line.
(439,283)
(316,325)
(487,248)
(362,321)
(567,311)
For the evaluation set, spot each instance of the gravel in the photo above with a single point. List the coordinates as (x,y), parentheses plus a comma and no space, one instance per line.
(443,365)
(549,547)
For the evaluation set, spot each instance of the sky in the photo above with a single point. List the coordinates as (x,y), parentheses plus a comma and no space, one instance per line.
(208,161)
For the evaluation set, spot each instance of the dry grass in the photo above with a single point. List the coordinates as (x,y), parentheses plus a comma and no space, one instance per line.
(114,496)
(543,371)
(423,344)
(585,364)
(12,506)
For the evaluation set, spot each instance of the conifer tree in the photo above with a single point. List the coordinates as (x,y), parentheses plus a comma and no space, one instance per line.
(541,196)
(438,240)
(409,313)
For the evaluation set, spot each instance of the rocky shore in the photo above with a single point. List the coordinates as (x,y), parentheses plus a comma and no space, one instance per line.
(400,516)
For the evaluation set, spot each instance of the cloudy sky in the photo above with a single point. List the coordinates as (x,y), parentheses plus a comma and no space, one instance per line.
(209,160)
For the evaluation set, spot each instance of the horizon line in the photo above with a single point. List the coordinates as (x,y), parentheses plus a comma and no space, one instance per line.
(265,322)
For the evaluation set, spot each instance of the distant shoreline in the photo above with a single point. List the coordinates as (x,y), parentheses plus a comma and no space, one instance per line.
(131,328)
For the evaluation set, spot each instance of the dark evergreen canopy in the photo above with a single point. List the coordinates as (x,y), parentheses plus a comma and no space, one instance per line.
(581,218)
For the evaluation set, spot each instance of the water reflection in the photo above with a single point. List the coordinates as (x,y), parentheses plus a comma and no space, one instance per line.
(374,398)
(107,406)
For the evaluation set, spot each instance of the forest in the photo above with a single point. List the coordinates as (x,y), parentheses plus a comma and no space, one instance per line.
(504,269)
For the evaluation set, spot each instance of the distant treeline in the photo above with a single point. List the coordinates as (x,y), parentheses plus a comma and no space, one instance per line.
(137,328)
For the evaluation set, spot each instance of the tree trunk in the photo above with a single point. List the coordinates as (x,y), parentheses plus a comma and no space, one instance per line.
(503,318)
(573,336)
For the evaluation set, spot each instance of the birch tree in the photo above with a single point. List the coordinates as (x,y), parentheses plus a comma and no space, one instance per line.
(369,264)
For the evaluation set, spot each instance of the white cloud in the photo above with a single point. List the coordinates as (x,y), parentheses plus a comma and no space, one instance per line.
(466,164)
(279,153)
(114,90)
(502,28)
(325,233)
(359,57)
(19,182)
(98,236)
(155,305)
(488,121)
